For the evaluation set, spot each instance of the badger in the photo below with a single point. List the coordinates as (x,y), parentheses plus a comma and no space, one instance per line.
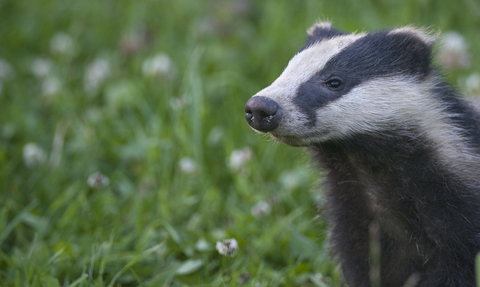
(399,148)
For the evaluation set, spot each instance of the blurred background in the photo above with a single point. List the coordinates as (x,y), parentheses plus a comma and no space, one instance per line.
(124,153)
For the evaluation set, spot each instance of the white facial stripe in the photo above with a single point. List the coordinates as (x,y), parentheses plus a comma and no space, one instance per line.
(377,104)
(383,103)
(312,60)
(299,70)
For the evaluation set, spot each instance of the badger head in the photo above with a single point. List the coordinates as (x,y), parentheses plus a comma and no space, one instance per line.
(340,84)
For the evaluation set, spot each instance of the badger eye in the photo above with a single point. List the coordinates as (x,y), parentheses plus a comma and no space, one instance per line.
(334,83)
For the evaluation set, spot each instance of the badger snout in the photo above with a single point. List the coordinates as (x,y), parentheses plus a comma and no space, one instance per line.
(262,113)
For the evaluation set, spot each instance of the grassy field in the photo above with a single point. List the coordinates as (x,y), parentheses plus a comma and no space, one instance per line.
(124,152)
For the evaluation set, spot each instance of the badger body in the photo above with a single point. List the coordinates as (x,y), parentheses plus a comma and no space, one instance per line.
(399,147)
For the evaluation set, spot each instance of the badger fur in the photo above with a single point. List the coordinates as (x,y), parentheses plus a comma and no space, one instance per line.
(399,147)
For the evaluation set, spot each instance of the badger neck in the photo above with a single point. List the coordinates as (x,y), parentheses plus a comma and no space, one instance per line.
(396,165)
(373,172)
(396,153)
(401,154)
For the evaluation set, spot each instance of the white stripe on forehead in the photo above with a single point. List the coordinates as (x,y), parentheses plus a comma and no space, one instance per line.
(309,61)
(300,69)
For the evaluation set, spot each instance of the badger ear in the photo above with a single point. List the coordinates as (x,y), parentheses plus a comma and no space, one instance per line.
(427,37)
(322,30)
(320,26)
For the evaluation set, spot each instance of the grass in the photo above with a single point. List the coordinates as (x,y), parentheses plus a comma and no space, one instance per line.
(165,140)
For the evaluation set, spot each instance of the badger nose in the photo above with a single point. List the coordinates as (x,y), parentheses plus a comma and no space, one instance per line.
(262,113)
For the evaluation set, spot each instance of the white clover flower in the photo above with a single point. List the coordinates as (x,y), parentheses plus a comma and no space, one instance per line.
(61,43)
(472,84)
(227,247)
(95,74)
(261,209)
(290,179)
(187,165)
(98,180)
(33,155)
(215,135)
(41,67)
(159,66)
(239,158)
(51,86)
(453,52)
(177,103)
(6,70)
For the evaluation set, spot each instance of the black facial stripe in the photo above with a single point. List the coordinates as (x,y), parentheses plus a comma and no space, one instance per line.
(313,94)
(382,54)
(375,55)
